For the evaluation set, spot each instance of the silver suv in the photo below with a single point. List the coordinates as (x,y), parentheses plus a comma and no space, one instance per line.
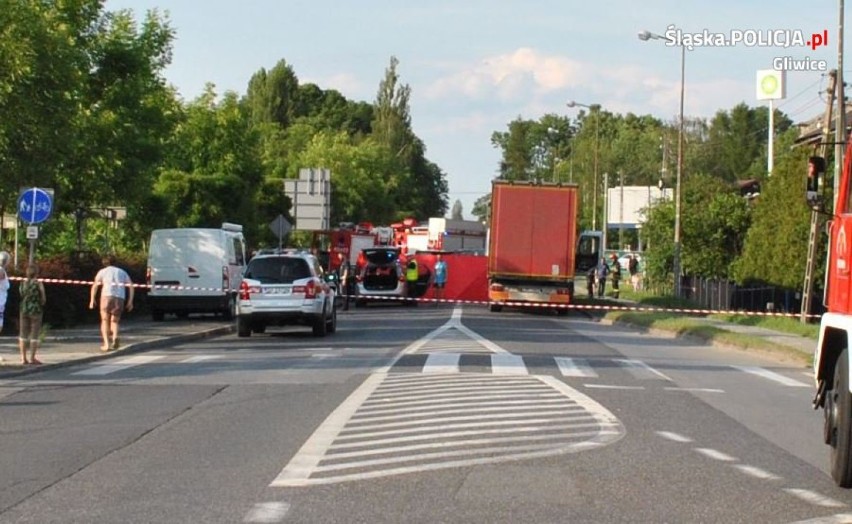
(285,288)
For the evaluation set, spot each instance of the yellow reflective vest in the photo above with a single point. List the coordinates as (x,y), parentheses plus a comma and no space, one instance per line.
(411,273)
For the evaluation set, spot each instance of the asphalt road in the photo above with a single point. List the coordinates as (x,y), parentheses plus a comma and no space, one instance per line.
(420,415)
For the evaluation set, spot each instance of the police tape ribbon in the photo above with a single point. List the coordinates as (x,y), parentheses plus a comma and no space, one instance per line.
(543,305)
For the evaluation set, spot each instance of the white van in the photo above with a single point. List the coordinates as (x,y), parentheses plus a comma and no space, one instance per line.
(195,270)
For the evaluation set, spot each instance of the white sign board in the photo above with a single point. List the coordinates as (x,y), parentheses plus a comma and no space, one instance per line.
(626,205)
(311,197)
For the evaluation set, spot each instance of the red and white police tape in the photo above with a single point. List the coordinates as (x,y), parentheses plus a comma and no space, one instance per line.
(373,298)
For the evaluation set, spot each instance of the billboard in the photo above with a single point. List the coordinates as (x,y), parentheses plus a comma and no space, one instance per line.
(626,204)
(311,196)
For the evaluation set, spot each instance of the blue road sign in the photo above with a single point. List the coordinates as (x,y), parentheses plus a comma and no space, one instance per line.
(34,205)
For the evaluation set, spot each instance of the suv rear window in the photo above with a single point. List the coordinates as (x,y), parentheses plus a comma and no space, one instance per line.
(278,270)
(381,256)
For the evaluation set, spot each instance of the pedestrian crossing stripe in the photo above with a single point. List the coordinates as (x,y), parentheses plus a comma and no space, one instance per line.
(449,365)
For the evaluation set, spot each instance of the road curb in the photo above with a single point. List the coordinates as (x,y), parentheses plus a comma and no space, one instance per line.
(129,349)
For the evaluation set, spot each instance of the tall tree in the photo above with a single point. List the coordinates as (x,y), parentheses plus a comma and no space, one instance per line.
(273,97)
(458,212)
(775,249)
(422,186)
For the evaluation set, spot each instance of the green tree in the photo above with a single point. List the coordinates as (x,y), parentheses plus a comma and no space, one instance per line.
(273,96)
(482,209)
(421,185)
(214,173)
(458,211)
(775,248)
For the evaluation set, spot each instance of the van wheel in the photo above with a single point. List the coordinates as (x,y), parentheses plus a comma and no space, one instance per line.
(243,327)
(321,324)
(231,310)
(157,315)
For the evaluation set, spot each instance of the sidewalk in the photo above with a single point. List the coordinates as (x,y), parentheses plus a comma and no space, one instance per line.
(65,347)
(799,345)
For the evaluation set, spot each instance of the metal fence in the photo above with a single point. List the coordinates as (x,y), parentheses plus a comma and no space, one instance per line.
(720,294)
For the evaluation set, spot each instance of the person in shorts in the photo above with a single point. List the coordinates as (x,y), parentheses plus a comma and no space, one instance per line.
(31,307)
(116,296)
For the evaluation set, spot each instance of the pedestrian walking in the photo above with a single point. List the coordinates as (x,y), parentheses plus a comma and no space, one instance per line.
(616,275)
(33,299)
(601,273)
(440,277)
(116,296)
(344,276)
(5,284)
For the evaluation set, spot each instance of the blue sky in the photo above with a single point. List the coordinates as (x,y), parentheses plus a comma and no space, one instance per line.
(473,65)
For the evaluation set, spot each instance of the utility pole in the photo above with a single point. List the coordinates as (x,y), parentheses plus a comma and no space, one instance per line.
(813,239)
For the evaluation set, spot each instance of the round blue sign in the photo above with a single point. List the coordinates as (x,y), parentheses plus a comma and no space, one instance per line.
(34,205)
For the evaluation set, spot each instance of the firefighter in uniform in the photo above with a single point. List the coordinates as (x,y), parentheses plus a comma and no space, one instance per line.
(411,276)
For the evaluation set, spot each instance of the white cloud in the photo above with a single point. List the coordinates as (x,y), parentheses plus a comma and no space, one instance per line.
(510,75)
(348,85)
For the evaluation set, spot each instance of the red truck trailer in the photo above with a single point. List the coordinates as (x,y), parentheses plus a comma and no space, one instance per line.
(531,251)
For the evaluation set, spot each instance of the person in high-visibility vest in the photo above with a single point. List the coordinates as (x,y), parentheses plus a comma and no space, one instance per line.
(411,276)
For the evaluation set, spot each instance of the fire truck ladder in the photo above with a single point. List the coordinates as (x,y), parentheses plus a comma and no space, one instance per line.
(813,237)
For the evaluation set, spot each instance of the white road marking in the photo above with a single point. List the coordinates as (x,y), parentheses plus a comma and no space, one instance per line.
(574,367)
(267,512)
(716,455)
(756,472)
(508,364)
(460,407)
(354,426)
(815,498)
(840,518)
(696,390)
(119,365)
(676,437)
(381,434)
(312,451)
(771,375)
(609,386)
(442,363)
(199,358)
(637,367)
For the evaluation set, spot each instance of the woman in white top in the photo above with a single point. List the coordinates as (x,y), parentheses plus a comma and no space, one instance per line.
(5,258)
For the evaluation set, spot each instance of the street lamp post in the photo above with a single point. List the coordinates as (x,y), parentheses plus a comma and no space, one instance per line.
(573,103)
(645,36)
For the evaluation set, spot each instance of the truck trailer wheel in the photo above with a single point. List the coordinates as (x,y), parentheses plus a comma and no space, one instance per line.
(838,412)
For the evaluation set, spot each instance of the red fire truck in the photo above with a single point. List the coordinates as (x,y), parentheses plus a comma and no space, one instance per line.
(832,357)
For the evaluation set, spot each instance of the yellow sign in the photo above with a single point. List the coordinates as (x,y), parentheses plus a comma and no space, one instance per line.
(771,84)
